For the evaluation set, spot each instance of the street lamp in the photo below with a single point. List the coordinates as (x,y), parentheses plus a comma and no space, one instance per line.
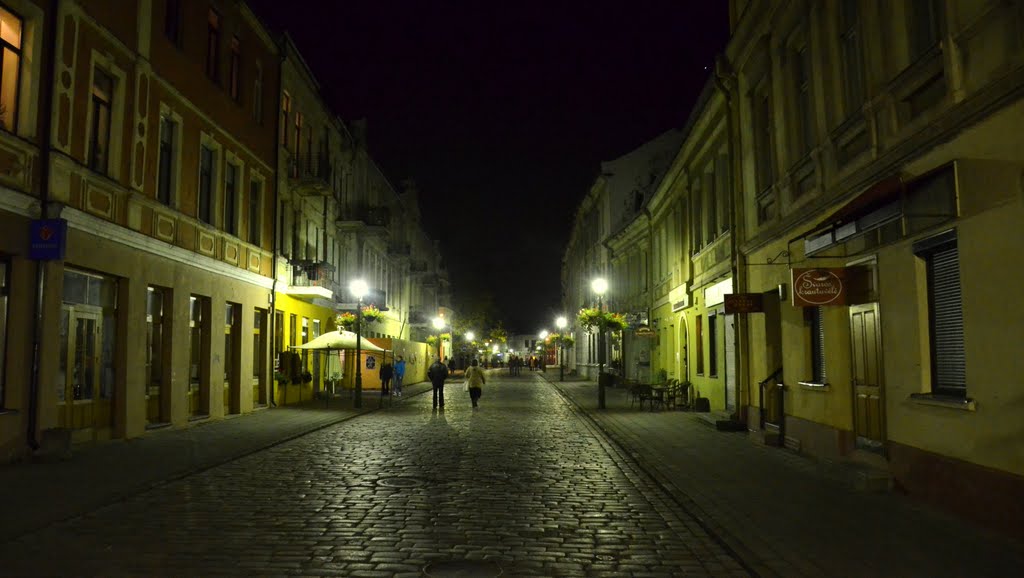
(358,289)
(599,286)
(561,323)
(438,325)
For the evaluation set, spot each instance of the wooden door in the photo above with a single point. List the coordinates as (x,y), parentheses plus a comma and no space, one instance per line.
(868,415)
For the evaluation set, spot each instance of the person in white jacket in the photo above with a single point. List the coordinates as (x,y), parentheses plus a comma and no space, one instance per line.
(475,379)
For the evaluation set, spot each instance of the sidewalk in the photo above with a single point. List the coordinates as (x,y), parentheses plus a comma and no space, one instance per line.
(782,513)
(39,493)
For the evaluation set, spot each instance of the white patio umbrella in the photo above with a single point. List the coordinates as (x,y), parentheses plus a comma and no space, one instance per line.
(338,340)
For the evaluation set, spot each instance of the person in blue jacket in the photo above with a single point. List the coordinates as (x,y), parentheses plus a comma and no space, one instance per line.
(399,375)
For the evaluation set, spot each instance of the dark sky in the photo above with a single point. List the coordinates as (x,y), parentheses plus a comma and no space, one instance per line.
(502,113)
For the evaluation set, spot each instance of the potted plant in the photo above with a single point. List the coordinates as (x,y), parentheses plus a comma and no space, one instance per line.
(594,319)
(371,314)
(345,321)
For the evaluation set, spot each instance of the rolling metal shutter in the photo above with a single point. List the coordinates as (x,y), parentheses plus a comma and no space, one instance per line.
(817,345)
(947,322)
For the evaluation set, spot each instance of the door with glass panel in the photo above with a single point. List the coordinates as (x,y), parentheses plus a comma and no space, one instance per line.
(84,400)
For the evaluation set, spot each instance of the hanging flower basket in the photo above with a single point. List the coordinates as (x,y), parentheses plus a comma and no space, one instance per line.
(561,339)
(432,340)
(371,314)
(596,320)
(446,336)
(345,321)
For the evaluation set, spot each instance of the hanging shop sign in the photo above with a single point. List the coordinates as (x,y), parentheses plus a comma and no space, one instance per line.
(744,303)
(828,286)
(47,239)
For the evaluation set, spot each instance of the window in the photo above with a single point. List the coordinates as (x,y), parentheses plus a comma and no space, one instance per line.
(257,353)
(206,168)
(10,68)
(165,175)
(172,22)
(852,55)
(278,331)
(763,154)
(713,344)
(305,340)
(926,24)
(697,215)
(805,138)
(711,194)
(199,356)
(699,328)
(297,144)
(724,188)
(945,310)
(229,346)
(255,211)
(99,142)
(817,330)
(257,95)
(286,109)
(291,330)
(4,273)
(154,351)
(236,59)
(231,174)
(213,45)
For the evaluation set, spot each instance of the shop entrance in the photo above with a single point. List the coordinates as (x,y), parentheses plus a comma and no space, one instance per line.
(868,417)
(85,391)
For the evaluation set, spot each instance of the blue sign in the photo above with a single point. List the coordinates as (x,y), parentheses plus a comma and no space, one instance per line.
(47,239)
(371,362)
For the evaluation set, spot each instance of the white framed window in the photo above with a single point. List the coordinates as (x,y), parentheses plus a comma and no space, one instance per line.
(105,116)
(234,191)
(168,178)
(209,179)
(257,95)
(255,205)
(11,28)
(941,257)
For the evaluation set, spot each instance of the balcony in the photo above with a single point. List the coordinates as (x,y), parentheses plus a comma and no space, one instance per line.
(311,280)
(310,174)
(362,214)
(399,249)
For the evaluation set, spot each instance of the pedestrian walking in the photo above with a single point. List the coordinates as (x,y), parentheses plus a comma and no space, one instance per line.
(437,373)
(475,379)
(399,375)
(387,371)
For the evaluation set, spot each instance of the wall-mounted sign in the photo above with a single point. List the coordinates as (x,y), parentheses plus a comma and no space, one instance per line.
(644,331)
(744,303)
(371,362)
(831,286)
(47,239)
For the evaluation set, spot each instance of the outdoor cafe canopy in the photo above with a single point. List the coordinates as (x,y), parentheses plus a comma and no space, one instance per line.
(336,341)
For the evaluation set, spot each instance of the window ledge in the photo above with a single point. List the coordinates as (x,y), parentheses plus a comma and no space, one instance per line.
(160,425)
(965,404)
(4,411)
(199,417)
(815,386)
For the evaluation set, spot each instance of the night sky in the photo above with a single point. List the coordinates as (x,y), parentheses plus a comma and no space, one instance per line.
(502,113)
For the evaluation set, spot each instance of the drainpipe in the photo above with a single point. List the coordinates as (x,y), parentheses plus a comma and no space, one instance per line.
(278,225)
(723,74)
(49,64)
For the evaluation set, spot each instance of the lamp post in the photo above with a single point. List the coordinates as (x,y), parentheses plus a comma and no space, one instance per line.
(439,325)
(561,323)
(599,286)
(358,289)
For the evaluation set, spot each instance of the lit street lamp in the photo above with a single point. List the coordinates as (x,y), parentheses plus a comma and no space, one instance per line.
(561,323)
(358,289)
(599,286)
(438,325)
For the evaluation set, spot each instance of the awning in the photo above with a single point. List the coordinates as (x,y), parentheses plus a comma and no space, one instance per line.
(879,204)
(338,340)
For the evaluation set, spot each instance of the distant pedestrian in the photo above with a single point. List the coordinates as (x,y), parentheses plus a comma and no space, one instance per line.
(399,375)
(451,367)
(475,379)
(437,373)
(387,371)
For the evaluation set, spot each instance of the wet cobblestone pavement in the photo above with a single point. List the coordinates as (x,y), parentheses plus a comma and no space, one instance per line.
(523,487)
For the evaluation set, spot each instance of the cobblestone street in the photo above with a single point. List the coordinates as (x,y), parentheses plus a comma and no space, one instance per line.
(523,487)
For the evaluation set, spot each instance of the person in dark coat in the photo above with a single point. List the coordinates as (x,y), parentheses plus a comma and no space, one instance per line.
(437,374)
(387,371)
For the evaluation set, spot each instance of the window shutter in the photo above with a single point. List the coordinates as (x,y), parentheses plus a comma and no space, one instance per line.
(948,362)
(817,345)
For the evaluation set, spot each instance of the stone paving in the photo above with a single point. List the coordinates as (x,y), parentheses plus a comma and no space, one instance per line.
(526,486)
(785,514)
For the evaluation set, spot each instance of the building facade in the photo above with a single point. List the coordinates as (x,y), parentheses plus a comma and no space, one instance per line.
(836,234)
(166,233)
